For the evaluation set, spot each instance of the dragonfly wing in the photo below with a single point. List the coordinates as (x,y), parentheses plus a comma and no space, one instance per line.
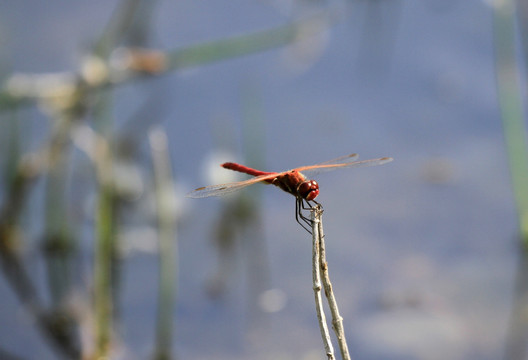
(341,159)
(317,168)
(328,167)
(224,189)
(341,162)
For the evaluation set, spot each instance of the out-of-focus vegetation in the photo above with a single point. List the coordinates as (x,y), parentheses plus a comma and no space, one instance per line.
(88,156)
(83,142)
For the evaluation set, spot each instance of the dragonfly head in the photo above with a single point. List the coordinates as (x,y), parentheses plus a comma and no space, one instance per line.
(308,190)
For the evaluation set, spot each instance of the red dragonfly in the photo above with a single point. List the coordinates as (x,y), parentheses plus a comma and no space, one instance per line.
(291,181)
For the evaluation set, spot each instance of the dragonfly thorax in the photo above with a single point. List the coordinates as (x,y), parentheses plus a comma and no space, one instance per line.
(308,190)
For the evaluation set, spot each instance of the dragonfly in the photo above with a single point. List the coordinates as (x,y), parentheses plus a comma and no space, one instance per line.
(291,181)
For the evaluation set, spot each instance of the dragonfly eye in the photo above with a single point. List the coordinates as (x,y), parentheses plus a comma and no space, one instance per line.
(308,190)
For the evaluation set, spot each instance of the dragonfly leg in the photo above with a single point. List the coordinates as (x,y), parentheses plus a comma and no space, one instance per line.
(300,206)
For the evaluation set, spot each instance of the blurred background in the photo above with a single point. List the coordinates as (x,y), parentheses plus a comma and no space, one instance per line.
(111,111)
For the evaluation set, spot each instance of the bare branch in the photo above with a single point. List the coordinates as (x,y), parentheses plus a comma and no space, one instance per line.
(337,320)
(316,275)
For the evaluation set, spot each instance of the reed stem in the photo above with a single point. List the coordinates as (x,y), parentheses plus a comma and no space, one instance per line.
(167,242)
(511,106)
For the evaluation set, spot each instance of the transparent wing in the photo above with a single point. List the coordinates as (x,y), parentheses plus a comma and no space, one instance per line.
(224,189)
(341,162)
(330,166)
(341,159)
(317,168)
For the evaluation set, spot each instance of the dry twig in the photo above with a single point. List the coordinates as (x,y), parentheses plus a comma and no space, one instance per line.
(320,267)
(316,275)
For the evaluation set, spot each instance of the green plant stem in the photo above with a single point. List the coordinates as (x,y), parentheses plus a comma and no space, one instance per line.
(246,44)
(121,22)
(511,105)
(167,242)
(103,271)
(194,55)
(57,241)
(510,100)
(24,173)
(104,248)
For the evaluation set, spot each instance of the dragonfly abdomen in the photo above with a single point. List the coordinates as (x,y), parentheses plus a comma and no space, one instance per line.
(244,169)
